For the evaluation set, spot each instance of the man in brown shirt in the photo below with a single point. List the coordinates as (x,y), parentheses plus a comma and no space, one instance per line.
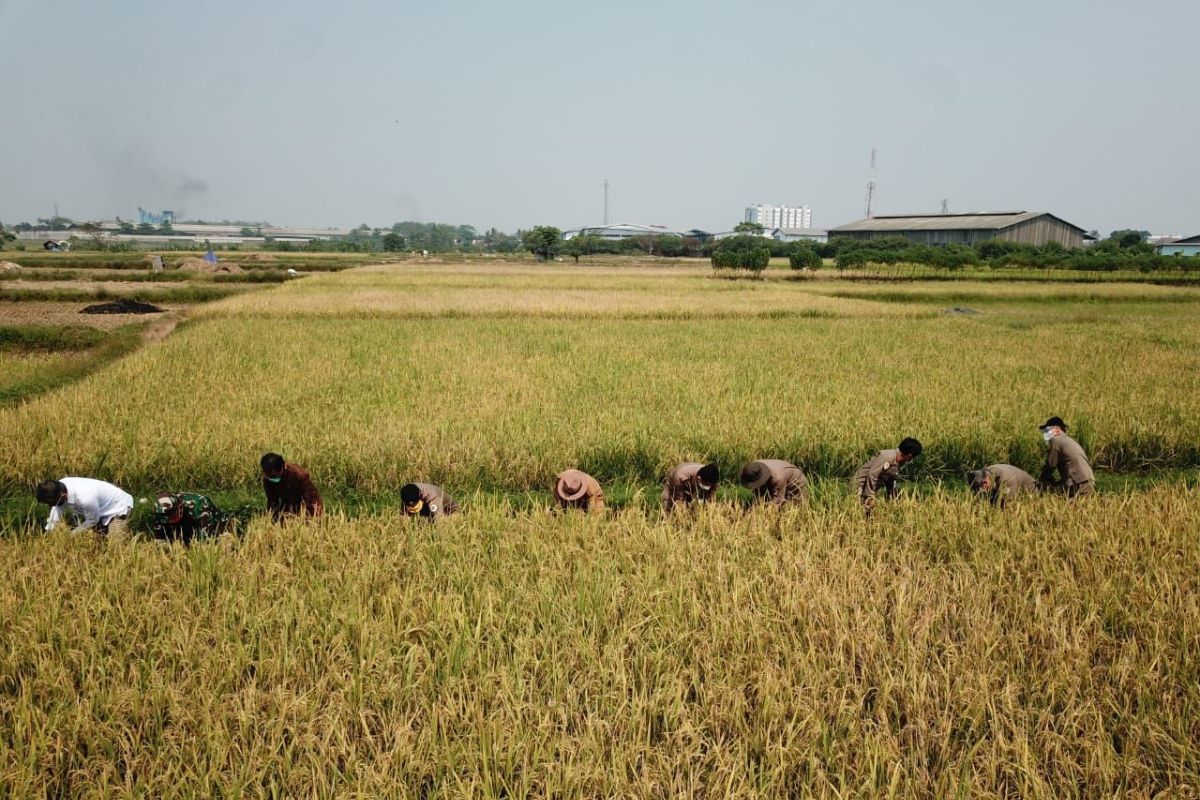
(1066,457)
(775,481)
(690,482)
(882,471)
(576,489)
(426,500)
(289,489)
(999,482)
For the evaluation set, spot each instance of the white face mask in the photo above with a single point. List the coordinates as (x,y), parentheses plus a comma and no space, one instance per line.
(1047,436)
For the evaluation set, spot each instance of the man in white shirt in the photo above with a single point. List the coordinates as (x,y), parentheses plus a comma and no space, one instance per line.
(96,503)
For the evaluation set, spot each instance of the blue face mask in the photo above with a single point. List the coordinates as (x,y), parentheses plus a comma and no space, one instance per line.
(275,479)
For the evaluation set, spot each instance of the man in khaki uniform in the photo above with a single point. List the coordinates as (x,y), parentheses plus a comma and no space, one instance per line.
(426,500)
(690,482)
(999,482)
(882,472)
(775,481)
(1066,457)
(576,489)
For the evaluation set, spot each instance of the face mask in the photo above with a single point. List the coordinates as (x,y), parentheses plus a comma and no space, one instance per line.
(276,479)
(1047,436)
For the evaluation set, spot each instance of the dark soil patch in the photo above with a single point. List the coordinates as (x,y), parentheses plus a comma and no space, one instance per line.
(124,306)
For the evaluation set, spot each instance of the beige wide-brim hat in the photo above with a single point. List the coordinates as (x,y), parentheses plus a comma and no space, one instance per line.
(570,486)
(754,475)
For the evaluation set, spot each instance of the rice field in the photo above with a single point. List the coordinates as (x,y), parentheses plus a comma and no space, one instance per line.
(942,649)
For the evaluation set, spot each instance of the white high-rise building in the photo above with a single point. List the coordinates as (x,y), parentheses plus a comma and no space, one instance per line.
(788,217)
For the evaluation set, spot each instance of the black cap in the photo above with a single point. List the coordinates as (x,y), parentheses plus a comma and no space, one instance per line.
(1053,422)
(410,493)
(910,447)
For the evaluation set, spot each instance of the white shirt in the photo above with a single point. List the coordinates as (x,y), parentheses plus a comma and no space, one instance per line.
(95,501)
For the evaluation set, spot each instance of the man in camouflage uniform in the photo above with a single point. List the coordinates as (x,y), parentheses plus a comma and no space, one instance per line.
(187,516)
(882,472)
(1067,458)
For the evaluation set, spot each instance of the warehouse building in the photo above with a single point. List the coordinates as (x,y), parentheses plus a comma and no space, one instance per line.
(1188,246)
(1024,227)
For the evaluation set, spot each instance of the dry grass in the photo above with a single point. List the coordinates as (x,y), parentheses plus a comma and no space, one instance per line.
(943,651)
(425,290)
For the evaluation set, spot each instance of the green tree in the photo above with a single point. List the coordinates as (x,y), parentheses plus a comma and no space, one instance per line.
(6,235)
(804,256)
(1129,238)
(543,241)
(742,252)
(393,242)
(582,245)
(753,228)
(670,246)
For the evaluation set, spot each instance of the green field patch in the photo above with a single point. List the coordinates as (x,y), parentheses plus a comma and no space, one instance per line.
(506,403)
(24,338)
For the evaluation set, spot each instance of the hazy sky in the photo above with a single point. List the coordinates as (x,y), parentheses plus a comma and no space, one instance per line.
(513,114)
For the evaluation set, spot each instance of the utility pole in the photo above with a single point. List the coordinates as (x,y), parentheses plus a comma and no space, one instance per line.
(606,202)
(945,205)
(871,188)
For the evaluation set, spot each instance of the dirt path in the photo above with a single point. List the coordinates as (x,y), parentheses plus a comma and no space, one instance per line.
(162,326)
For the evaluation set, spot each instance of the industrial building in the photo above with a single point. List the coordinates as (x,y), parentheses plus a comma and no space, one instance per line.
(786,217)
(1187,246)
(623,230)
(798,235)
(1025,227)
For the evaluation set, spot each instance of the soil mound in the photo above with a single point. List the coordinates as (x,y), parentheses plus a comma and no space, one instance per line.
(193,264)
(121,307)
(9,265)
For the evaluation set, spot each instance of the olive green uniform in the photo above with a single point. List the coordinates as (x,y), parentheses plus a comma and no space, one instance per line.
(576,489)
(1067,458)
(881,472)
(775,481)
(435,502)
(1005,481)
(683,486)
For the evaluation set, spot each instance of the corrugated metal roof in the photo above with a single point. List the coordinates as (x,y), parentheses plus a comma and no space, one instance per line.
(980,220)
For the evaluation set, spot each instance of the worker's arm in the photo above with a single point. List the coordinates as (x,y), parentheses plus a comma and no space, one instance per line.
(312,499)
(54,517)
(90,511)
(1047,478)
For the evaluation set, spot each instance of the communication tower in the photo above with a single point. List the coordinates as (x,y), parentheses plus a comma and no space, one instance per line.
(871,188)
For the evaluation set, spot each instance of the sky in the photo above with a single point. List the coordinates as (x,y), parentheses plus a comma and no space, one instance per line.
(514,114)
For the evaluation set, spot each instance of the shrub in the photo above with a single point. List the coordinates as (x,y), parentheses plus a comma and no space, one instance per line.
(804,256)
